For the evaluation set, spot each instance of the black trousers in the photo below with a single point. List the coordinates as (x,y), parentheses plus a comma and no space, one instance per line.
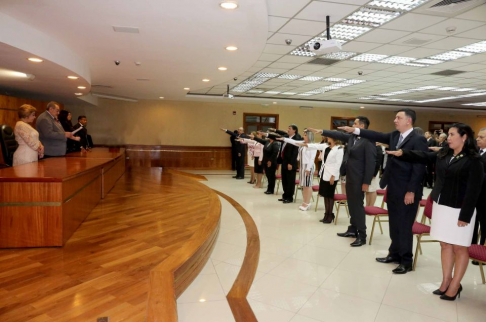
(234,159)
(479,225)
(401,217)
(288,182)
(240,166)
(355,194)
(270,173)
(429,175)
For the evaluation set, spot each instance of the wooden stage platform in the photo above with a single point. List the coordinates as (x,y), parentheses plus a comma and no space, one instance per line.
(134,254)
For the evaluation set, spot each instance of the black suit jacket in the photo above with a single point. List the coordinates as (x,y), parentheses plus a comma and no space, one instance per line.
(83,134)
(239,147)
(481,205)
(270,151)
(431,142)
(288,153)
(458,182)
(360,157)
(403,176)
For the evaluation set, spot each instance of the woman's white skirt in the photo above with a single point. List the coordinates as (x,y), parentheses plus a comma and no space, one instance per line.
(444,226)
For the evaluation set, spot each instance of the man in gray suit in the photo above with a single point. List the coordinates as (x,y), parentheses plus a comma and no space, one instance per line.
(360,161)
(51,133)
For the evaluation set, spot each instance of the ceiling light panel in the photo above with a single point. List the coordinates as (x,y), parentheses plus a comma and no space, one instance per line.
(272,92)
(302,52)
(369,57)
(288,76)
(413,64)
(428,61)
(451,55)
(267,75)
(405,5)
(288,93)
(340,55)
(371,17)
(476,104)
(396,60)
(311,78)
(255,91)
(333,79)
(479,47)
(347,32)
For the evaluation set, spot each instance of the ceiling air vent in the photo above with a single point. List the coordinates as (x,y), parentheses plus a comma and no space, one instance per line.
(454,6)
(130,30)
(416,41)
(448,72)
(323,61)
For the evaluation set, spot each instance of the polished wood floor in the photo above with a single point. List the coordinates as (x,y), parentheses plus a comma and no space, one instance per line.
(104,269)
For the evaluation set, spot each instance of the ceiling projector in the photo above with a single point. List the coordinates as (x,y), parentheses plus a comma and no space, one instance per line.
(228,95)
(325,46)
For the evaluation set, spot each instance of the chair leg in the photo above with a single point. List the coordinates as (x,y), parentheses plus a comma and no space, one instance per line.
(482,272)
(416,251)
(420,247)
(317,202)
(337,212)
(379,223)
(372,229)
(278,185)
(346,206)
(312,196)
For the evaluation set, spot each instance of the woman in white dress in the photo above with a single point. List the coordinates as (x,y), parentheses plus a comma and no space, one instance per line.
(459,178)
(307,167)
(30,148)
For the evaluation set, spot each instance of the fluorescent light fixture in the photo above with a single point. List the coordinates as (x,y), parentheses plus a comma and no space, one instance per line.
(347,32)
(311,78)
(476,104)
(415,65)
(370,17)
(479,47)
(161,97)
(73,77)
(446,88)
(302,52)
(369,57)
(272,92)
(288,76)
(304,94)
(35,60)
(361,107)
(113,97)
(222,68)
(396,60)
(428,61)
(405,5)
(333,79)
(187,88)
(229,5)
(12,74)
(340,55)
(463,89)
(81,87)
(231,48)
(354,81)
(255,91)
(288,93)
(451,55)
(268,75)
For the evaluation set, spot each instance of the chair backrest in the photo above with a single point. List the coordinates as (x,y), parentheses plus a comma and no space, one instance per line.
(428,207)
(8,143)
(384,196)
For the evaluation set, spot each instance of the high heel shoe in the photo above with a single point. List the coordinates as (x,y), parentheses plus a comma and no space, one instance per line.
(306,207)
(330,219)
(439,292)
(452,298)
(325,218)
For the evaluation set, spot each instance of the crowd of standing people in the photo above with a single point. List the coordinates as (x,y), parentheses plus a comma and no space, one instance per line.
(452,164)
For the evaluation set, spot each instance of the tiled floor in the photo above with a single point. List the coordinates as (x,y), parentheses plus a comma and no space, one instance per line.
(308,274)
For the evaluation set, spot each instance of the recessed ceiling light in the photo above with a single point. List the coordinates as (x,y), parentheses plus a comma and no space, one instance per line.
(288,93)
(222,68)
(371,17)
(272,92)
(231,48)
(161,97)
(479,47)
(347,32)
(289,76)
(361,107)
(369,57)
(274,102)
(428,61)
(340,55)
(205,80)
(229,5)
(333,79)
(186,88)
(82,87)
(451,55)
(73,77)
(311,78)
(396,60)
(78,94)
(406,5)
(12,73)
(35,60)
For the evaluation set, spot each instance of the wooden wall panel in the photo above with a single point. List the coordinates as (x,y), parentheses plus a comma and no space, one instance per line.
(111,174)
(182,157)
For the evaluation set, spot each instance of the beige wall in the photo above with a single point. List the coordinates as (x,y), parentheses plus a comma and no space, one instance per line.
(197,123)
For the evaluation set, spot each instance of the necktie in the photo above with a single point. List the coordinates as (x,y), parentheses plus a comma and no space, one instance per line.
(481,152)
(400,140)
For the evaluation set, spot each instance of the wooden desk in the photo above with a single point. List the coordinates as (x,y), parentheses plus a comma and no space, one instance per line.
(43,203)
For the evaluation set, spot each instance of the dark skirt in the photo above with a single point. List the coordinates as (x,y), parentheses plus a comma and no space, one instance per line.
(326,189)
(258,168)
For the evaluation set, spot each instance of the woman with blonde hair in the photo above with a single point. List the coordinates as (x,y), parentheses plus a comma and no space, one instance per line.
(30,148)
(255,149)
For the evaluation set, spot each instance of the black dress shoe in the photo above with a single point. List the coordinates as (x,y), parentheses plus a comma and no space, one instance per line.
(268,193)
(287,201)
(358,242)
(281,199)
(402,269)
(347,234)
(388,259)
(439,292)
(240,178)
(475,263)
(234,177)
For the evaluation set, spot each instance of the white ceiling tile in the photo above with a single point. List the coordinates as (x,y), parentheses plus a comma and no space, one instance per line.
(450,43)
(477,33)
(402,69)
(269,57)
(460,24)
(336,69)
(253,69)
(359,46)
(377,66)
(277,49)
(273,70)
(351,64)
(303,27)
(318,11)
(427,70)
(275,23)
(261,64)
(298,71)
(421,52)
(478,13)
(285,8)
(450,65)
(383,73)
(311,67)
(270,34)
(419,36)
(284,65)
(390,50)
(471,68)
(412,22)
(279,39)
(294,59)
(478,58)
(383,36)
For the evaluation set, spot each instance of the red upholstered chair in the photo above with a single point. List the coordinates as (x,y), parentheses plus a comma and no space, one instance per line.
(421,230)
(381,192)
(478,253)
(340,200)
(378,213)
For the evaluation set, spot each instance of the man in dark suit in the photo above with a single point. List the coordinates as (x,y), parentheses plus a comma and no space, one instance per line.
(270,155)
(287,157)
(404,186)
(83,144)
(360,159)
(480,224)
(240,152)
(429,176)
(234,152)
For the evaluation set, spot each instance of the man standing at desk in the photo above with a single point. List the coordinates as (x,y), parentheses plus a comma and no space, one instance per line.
(83,144)
(51,133)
